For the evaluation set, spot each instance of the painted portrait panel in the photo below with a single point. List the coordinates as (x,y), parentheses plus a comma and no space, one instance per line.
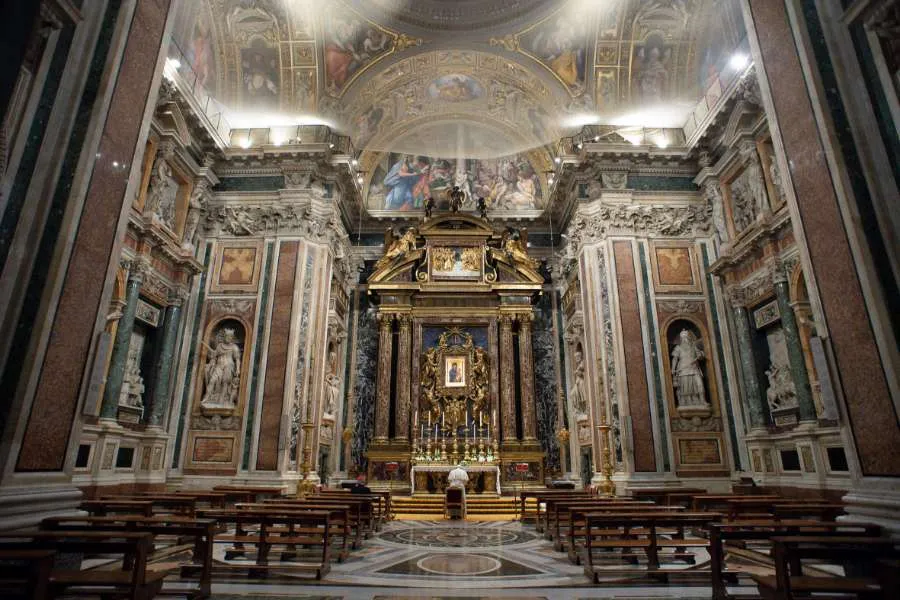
(401,182)
(674,266)
(560,43)
(200,52)
(260,78)
(351,43)
(455,88)
(454,371)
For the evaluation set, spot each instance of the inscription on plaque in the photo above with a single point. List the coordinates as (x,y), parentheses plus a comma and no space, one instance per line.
(212,449)
(700,452)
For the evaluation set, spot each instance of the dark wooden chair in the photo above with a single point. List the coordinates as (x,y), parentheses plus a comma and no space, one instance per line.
(455,504)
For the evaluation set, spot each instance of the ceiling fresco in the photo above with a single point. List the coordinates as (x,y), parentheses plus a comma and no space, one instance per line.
(470,82)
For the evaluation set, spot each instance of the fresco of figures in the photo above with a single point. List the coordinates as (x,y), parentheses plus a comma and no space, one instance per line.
(560,43)
(401,182)
(350,44)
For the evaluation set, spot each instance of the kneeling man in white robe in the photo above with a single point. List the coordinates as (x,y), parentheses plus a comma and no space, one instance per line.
(457,479)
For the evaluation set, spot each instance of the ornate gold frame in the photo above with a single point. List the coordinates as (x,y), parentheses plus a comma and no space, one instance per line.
(453,401)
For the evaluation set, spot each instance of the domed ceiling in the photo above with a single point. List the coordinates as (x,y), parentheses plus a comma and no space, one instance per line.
(476,91)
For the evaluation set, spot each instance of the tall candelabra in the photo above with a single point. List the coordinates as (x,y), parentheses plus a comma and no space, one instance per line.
(607,488)
(305,487)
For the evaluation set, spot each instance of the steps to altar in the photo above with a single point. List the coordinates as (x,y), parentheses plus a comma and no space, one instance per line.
(431,506)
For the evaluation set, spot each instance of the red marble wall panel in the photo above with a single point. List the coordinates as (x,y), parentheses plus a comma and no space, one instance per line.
(277,358)
(635,372)
(873,419)
(56,398)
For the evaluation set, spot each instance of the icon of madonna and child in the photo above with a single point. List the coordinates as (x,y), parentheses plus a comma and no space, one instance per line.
(402,182)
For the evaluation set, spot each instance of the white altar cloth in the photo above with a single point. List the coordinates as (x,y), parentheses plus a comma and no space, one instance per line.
(473,468)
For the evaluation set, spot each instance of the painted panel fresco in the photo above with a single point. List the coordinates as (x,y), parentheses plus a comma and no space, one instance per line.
(351,43)
(455,88)
(238,266)
(545,378)
(401,182)
(200,51)
(560,43)
(261,81)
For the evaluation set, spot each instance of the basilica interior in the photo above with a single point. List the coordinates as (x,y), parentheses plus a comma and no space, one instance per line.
(631,264)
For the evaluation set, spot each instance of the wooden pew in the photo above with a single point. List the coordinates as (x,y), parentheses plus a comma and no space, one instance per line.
(540,498)
(577,528)
(557,514)
(101,508)
(383,510)
(362,513)
(26,573)
(720,501)
(648,524)
(201,531)
(663,496)
(255,527)
(340,523)
(252,493)
(858,551)
(209,497)
(168,503)
(135,579)
(763,530)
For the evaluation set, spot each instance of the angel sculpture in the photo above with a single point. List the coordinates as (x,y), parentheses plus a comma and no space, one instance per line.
(481,205)
(514,247)
(429,207)
(396,246)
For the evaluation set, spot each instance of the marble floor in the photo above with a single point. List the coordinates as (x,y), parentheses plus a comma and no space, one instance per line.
(419,560)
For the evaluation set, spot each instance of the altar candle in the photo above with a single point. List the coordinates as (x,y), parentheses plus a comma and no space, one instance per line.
(467,417)
(442,420)
(435,430)
(481,418)
(429,419)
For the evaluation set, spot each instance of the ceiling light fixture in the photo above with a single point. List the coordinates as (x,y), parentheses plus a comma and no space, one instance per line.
(354,162)
(557,160)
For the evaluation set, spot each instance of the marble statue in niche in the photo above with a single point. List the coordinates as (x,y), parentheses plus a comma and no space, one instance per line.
(687,374)
(780,393)
(714,197)
(775,177)
(222,373)
(332,389)
(133,382)
(579,401)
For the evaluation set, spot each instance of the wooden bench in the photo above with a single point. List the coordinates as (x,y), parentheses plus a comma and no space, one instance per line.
(101,508)
(264,529)
(340,523)
(362,513)
(201,532)
(135,579)
(251,493)
(168,503)
(763,530)
(540,498)
(628,532)
(209,497)
(557,514)
(26,573)
(720,501)
(382,510)
(789,552)
(577,525)
(664,496)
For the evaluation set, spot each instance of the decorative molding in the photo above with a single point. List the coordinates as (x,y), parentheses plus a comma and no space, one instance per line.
(639,219)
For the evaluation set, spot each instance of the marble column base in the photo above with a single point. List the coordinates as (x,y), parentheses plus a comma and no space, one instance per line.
(27,505)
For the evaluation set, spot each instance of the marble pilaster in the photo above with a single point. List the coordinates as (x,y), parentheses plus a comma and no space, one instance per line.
(756,406)
(119,356)
(507,389)
(383,385)
(401,431)
(526,375)
(161,390)
(795,349)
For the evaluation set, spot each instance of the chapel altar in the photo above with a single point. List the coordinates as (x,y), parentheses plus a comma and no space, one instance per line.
(455,375)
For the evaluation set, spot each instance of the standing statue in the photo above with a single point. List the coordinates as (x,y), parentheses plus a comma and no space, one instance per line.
(687,378)
(332,393)
(456,197)
(429,207)
(222,374)
(579,401)
(718,210)
(481,205)
(515,249)
(196,206)
(161,191)
(396,246)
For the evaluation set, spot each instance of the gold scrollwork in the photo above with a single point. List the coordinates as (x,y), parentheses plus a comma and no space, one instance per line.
(445,390)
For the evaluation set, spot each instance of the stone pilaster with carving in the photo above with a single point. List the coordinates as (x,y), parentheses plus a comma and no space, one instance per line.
(404,351)
(526,375)
(383,377)
(507,385)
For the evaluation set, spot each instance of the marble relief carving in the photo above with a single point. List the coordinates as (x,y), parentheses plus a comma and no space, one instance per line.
(615,421)
(222,372)
(133,382)
(545,378)
(639,218)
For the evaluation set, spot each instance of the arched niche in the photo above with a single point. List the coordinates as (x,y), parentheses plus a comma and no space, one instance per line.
(706,405)
(222,367)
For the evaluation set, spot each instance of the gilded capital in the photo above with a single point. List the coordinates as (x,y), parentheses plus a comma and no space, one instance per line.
(736,295)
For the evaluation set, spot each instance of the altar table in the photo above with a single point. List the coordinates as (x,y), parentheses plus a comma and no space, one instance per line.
(474,468)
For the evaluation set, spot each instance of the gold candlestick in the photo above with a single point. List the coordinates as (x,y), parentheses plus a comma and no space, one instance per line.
(305,487)
(607,488)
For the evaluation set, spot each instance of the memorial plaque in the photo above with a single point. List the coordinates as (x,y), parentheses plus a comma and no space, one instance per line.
(700,451)
(212,449)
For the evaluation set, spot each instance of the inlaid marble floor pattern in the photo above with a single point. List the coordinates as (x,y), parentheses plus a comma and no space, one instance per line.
(416,560)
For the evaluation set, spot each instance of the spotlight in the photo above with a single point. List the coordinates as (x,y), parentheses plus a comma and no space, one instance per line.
(245,143)
(359,180)
(331,146)
(739,61)
(596,138)
(354,162)
(557,160)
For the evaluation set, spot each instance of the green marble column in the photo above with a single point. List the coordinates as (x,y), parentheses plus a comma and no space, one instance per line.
(795,350)
(119,357)
(756,404)
(163,370)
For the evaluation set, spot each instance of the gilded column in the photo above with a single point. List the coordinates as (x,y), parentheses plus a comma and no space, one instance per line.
(756,404)
(383,380)
(119,357)
(794,347)
(401,431)
(161,390)
(526,374)
(507,384)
